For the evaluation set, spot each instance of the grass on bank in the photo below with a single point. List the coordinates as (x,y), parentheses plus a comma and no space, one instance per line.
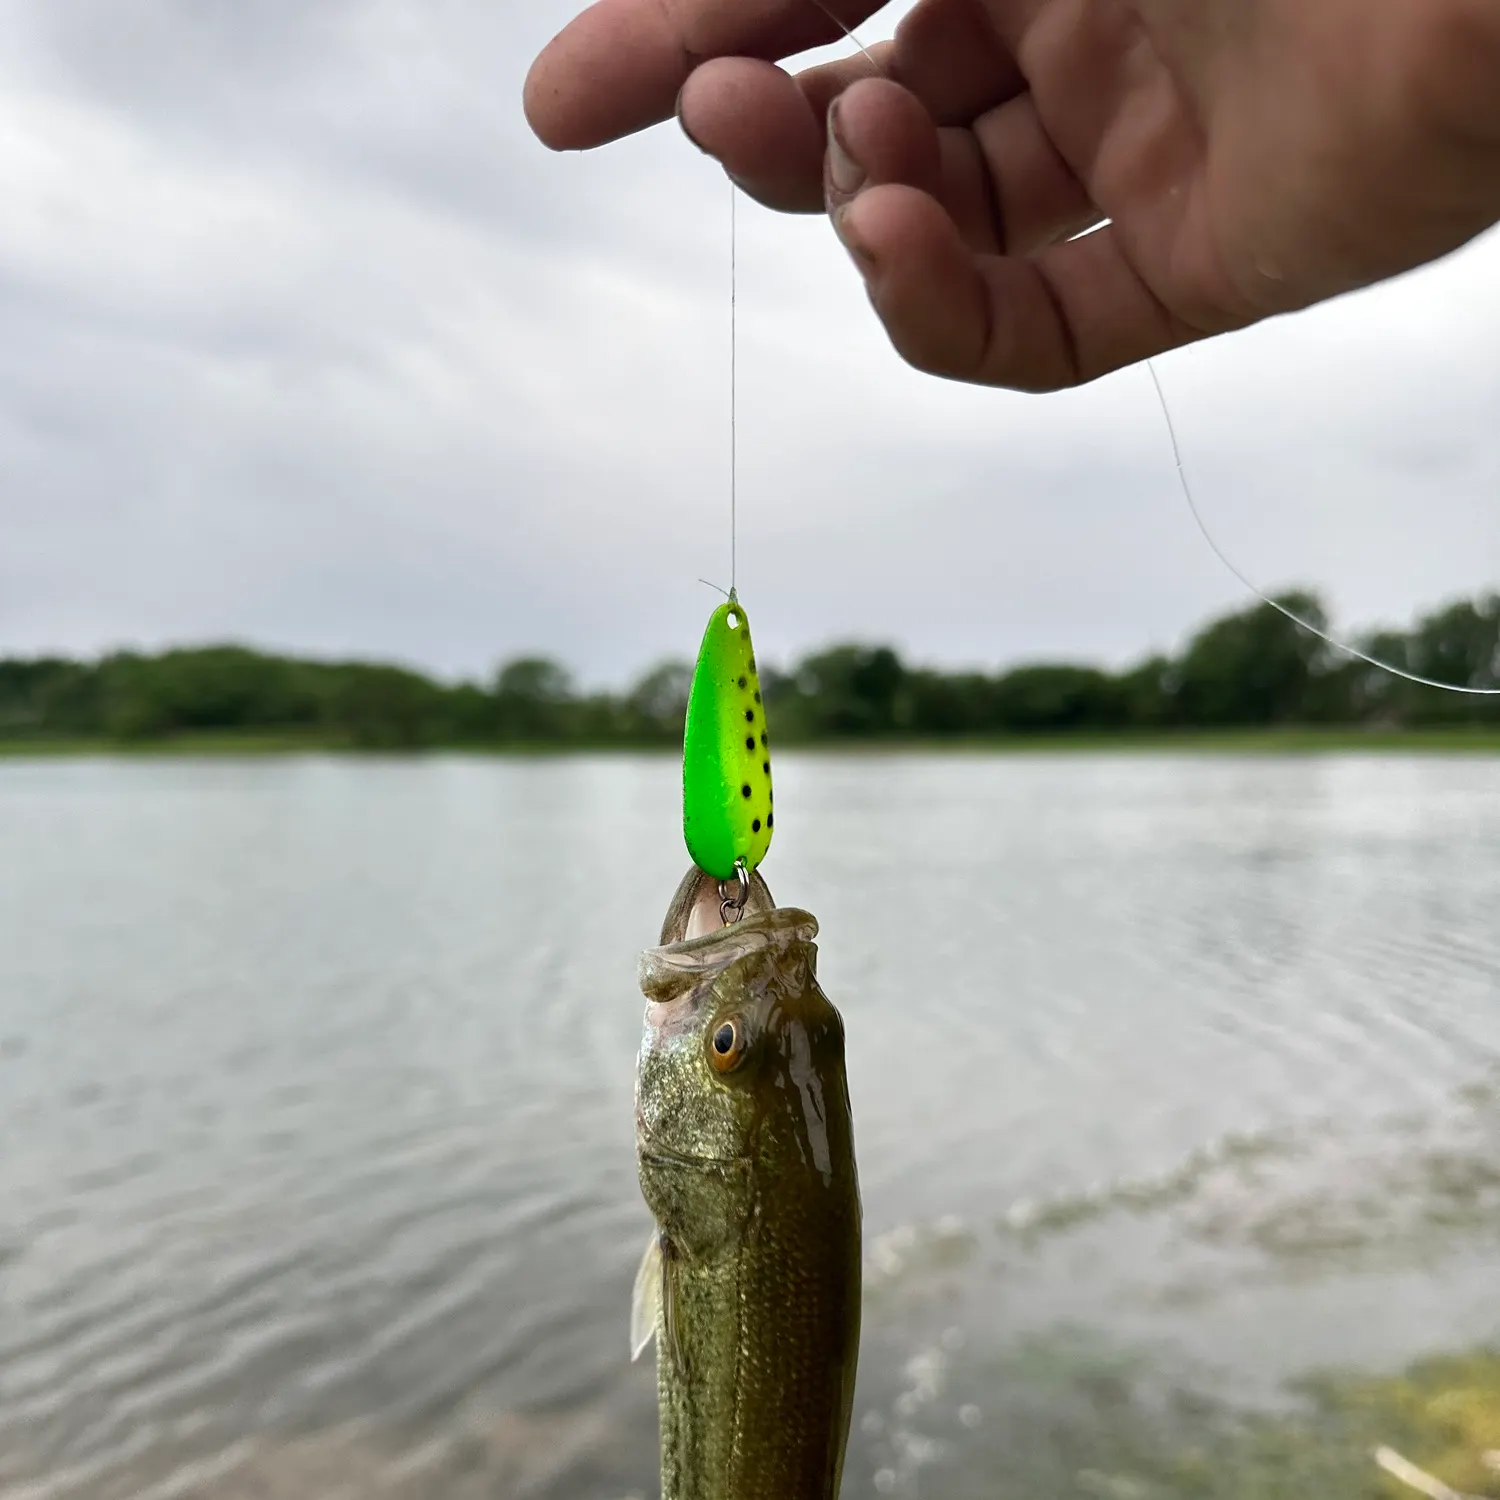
(1455,740)
(1441,1415)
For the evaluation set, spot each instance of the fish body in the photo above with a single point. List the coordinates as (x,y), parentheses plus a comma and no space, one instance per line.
(745,1146)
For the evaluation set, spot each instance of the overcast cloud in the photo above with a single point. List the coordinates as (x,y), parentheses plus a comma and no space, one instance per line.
(305,342)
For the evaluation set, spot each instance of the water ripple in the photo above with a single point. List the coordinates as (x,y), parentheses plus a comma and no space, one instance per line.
(326,1177)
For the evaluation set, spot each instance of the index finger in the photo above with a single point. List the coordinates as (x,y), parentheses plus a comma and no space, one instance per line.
(619,67)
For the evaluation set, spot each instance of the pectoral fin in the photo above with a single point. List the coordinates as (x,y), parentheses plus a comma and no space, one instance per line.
(645,1300)
(655,1299)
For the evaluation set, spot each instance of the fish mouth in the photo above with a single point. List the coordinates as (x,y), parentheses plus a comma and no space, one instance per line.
(678,970)
(661,1156)
(696,909)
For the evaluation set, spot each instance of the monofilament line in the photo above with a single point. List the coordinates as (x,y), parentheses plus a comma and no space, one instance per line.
(734,362)
(848,32)
(1296,619)
(734,391)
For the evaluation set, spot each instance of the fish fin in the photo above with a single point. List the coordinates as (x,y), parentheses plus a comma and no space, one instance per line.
(668,1294)
(645,1300)
(654,1301)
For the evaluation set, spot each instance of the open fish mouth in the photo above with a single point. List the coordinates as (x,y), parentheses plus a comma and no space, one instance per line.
(684,974)
(685,970)
(697,908)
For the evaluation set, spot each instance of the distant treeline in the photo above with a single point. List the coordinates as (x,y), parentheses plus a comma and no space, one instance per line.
(1250,669)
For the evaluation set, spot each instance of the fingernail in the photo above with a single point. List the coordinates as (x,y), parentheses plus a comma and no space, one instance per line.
(845,175)
(858,252)
(677,110)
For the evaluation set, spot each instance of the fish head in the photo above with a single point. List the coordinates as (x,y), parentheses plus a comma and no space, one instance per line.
(740,1080)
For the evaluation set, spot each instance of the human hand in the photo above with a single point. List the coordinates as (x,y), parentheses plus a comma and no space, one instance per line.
(1250,157)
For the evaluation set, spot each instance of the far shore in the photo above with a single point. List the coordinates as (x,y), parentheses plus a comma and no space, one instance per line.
(1456,740)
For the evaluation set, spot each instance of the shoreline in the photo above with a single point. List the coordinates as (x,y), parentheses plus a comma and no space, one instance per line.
(1455,741)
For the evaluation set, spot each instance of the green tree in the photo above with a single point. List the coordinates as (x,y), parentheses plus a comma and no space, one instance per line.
(386,708)
(1458,644)
(1355,692)
(1250,667)
(941,704)
(471,714)
(532,700)
(1055,699)
(1147,693)
(49,695)
(853,690)
(1253,667)
(656,706)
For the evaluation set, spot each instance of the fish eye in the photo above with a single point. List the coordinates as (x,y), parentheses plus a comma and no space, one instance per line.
(727,1046)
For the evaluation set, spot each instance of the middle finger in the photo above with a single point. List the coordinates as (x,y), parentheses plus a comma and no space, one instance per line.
(946,52)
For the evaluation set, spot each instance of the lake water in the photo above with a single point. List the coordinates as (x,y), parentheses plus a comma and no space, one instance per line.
(1173,1079)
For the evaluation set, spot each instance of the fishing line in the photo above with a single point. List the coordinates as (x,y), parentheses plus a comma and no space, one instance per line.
(1187,494)
(1296,619)
(734,387)
(869,58)
(734,359)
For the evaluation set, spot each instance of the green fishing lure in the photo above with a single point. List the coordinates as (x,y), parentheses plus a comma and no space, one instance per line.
(727,813)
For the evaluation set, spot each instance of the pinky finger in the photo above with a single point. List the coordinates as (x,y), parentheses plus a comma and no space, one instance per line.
(1068,315)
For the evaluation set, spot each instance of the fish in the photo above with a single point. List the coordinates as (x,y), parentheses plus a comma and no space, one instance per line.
(750,1285)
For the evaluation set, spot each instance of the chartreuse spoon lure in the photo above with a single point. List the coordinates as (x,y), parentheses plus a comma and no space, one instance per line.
(727,813)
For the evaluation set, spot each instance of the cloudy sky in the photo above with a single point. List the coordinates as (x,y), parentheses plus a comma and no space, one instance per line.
(304,341)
